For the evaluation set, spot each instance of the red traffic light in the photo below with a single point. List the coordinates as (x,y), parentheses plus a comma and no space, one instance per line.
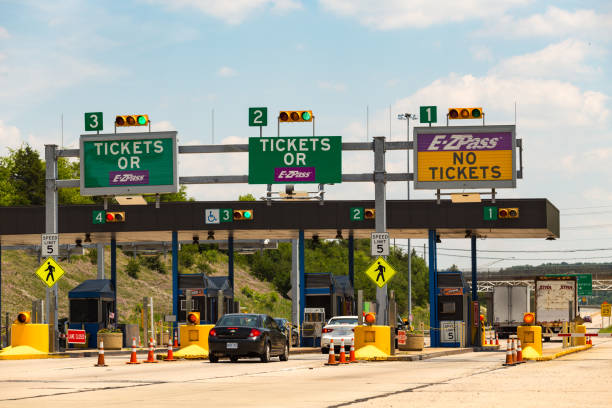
(23,317)
(193,318)
(115,216)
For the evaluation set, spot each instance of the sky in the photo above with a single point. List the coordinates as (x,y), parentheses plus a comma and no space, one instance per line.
(196,66)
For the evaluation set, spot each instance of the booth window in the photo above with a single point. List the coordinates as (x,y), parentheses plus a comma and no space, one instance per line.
(448,307)
(84,310)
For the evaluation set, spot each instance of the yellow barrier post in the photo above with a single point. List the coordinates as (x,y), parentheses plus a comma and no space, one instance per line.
(531,341)
(372,342)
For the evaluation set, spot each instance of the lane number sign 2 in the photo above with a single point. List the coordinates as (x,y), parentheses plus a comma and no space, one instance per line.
(258,116)
(93,121)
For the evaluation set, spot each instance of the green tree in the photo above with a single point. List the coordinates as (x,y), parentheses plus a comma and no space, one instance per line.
(23,177)
(246,197)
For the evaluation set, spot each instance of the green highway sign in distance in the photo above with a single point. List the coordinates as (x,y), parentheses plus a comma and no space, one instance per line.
(258,116)
(129,163)
(428,114)
(584,282)
(489,213)
(93,121)
(290,160)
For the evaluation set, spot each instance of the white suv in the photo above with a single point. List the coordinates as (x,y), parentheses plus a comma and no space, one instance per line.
(338,328)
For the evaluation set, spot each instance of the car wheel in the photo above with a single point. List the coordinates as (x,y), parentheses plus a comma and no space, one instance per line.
(265,357)
(285,355)
(213,359)
(234,359)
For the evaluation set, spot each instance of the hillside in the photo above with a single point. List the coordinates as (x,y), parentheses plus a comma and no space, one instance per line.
(20,285)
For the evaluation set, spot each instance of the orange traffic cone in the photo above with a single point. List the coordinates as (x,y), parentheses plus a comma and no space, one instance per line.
(133,359)
(496,339)
(513,352)
(170,356)
(101,355)
(508,355)
(352,352)
(519,352)
(332,355)
(342,353)
(175,339)
(150,356)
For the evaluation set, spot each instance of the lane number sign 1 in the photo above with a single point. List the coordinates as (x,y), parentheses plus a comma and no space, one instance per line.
(380,244)
(49,245)
(428,114)
(93,121)
(258,116)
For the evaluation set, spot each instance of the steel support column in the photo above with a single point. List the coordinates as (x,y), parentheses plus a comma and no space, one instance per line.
(351,267)
(302,280)
(175,305)
(230,262)
(113,271)
(380,203)
(434,324)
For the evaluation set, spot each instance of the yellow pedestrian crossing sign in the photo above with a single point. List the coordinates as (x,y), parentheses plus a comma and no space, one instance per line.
(380,272)
(50,272)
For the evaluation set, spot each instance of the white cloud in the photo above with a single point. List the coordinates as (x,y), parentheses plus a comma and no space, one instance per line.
(397,14)
(234,11)
(561,60)
(334,86)
(227,72)
(4,34)
(555,22)
(595,161)
(482,53)
(11,137)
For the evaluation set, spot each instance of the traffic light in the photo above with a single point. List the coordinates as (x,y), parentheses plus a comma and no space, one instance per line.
(529,318)
(508,213)
(132,120)
(193,318)
(115,216)
(243,215)
(464,113)
(369,213)
(23,317)
(295,116)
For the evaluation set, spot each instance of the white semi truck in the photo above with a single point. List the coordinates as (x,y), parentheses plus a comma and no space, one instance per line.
(510,303)
(555,303)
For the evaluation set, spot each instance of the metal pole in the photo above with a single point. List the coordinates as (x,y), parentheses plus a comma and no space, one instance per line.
(474,275)
(6,328)
(408,199)
(230,262)
(51,228)
(113,271)
(175,277)
(100,251)
(351,263)
(302,279)
(295,283)
(381,220)
(433,296)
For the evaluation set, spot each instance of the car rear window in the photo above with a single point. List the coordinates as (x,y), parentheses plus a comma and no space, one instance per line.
(343,321)
(239,320)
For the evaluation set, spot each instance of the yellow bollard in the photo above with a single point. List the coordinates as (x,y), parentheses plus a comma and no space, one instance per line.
(531,341)
(372,342)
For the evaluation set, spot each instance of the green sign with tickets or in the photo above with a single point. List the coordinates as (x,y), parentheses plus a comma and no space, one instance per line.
(129,163)
(291,160)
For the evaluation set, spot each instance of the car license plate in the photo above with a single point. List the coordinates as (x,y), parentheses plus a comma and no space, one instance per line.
(232,345)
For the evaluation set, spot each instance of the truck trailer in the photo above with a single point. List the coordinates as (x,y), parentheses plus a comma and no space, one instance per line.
(555,303)
(510,303)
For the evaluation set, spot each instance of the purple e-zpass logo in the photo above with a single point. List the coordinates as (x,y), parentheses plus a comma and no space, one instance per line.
(294,174)
(126,177)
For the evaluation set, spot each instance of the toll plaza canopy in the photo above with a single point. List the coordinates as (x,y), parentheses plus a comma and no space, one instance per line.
(537,218)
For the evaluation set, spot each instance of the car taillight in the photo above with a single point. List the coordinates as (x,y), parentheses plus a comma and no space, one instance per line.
(254,333)
(212,333)
(327,330)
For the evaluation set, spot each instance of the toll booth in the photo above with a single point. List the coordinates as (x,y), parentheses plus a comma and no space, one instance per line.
(204,292)
(91,305)
(312,327)
(453,309)
(334,294)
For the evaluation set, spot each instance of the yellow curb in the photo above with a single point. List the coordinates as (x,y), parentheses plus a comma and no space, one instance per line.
(562,353)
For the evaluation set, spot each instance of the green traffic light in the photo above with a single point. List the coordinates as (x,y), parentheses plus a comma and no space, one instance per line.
(476,113)
(142,120)
(247,214)
(306,116)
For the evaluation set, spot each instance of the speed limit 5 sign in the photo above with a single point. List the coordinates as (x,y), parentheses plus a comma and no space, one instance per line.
(49,245)
(380,243)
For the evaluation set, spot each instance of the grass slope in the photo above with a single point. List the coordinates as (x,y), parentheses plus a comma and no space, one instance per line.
(20,285)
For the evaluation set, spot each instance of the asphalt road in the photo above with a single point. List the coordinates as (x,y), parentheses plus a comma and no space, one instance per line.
(464,380)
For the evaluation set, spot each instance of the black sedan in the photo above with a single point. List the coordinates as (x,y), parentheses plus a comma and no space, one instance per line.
(247,335)
(284,325)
